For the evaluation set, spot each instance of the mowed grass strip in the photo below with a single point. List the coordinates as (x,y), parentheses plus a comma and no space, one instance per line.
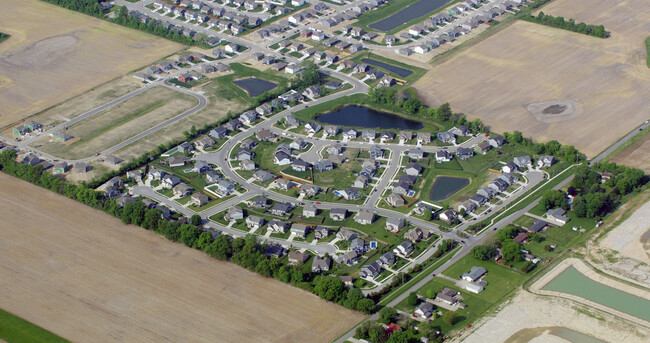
(16,329)
(120,122)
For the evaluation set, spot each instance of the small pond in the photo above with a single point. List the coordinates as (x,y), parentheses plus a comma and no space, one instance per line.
(254,86)
(360,116)
(409,13)
(446,186)
(395,69)
(571,281)
(527,335)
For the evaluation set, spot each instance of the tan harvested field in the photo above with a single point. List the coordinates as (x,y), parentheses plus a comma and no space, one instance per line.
(509,79)
(87,277)
(635,155)
(54,54)
(120,122)
(219,105)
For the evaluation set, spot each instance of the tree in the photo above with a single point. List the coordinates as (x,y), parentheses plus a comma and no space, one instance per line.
(412,299)
(377,334)
(363,331)
(483,252)
(510,252)
(449,318)
(387,315)
(412,105)
(196,220)
(400,337)
(554,198)
(329,288)
(365,305)
(508,232)
(204,240)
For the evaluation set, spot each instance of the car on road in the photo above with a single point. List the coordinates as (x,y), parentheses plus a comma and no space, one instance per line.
(318,202)
(495,229)
(433,275)
(462,242)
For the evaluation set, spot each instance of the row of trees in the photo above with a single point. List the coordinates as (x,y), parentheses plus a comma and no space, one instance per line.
(247,252)
(155,27)
(89,7)
(553,148)
(570,25)
(593,198)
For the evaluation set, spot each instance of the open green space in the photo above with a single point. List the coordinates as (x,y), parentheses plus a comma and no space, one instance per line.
(14,329)
(417,72)
(647,51)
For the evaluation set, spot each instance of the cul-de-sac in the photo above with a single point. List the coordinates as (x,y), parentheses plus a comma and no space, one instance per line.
(325,171)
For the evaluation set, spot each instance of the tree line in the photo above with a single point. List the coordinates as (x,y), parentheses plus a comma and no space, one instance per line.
(89,7)
(570,25)
(247,252)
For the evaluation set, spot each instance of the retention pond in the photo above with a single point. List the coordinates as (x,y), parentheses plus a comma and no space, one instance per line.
(254,86)
(446,186)
(360,116)
(571,281)
(414,11)
(401,72)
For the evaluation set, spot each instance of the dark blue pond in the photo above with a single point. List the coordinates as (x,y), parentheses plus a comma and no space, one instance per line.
(446,186)
(254,86)
(360,116)
(416,10)
(395,69)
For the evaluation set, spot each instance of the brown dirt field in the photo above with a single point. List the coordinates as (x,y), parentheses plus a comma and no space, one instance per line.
(120,122)
(606,80)
(87,277)
(636,155)
(55,54)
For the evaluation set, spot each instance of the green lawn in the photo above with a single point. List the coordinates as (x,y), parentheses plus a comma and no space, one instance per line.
(417,72)
(15,329)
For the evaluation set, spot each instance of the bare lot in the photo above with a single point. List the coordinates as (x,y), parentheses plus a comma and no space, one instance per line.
(509,79)
(87,277)
(632,237)
(54,54)
(532,318)
(119,123)
(221,101)
(635,155)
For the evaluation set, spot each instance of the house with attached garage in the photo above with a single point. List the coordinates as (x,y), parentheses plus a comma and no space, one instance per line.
(509,167)
(284,184)
(281,209)
(417,234)
(309,190)
(468,206)
(234,213)
(349,193)
(263,175)
(395,200)
(201,167)
(446,137)
(212,177)
(464,153)
(312,127)
(509,178)
(309,211)
(281,158)
(474,274)
(320,264)
(274,250)
(478,199)
(495,141)
(300,165)
(558,215)
(321,232)
(364,217)
(182,190)
(370,271)
(523,162)
(394,224)
(350,134)
(483,147)
(545,161)
(225,187)
(448,216)
(312,91)
(349,258)
(254,222)
(413,169)
(443,156)
(244,154)
(346,235)
(487,192)
(277,226)
(404,249)
(338,214)
(199,199)
(323,165)
(425,310)
(169,181)
(299,230)
(358,245)
(360,182)
(447,296)
(387,260)
(422,209)
(205,142)
(376,152)
(499,185)
(247,164)
(176,161)
(297,257)
(415,153)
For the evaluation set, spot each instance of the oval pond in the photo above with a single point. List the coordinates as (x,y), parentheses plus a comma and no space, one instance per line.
(445,186)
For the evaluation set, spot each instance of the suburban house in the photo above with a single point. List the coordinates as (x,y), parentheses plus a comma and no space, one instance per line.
(297,257)
(545,161)
(417,234)
(395,200)
(309,211)
(181,190)
(468,206)
(474,274)
(483,147)
(321,232)
(176,161)
(338,214)
(320,264)
(487,192)
(404,249)
(447,296)
(413,169)
(309,190)
(360,182)
(358,245)
(277,226)
(370,271)
(263,175)
(499,185)
(364,217)
(300,165)
(349,193)
(415,153)
(386,260)
(425,310)
(254,222)
(324,165)
(464,153)
(557,214)
(258,202)
(346,235)
(205,142)
(446,137)
(448,216)
(521,238)
(281,209)
(523,162)
(199,199)
(348,258)
(495,141)
(225,187)
(394,224)
(274,250)
(537,226)
(509,167)
(247,164)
